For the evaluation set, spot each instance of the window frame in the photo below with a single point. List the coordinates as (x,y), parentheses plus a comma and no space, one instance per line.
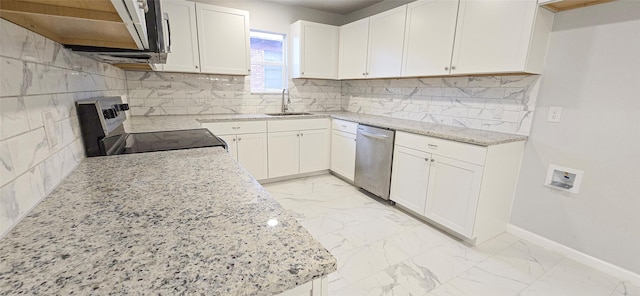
(283,64)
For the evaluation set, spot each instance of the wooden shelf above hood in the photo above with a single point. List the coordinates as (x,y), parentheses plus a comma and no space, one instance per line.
(563,5)
(78,22)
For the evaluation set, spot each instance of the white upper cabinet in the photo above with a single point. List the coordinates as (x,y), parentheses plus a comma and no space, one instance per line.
(386,38)
(428,40)
(451,37)
(313,50)
(497,36)
(354,39)
(223,38)
(207,39)
(184,56)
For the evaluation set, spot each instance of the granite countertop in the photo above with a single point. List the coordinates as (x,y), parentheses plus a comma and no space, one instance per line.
(454,133)
(174,222)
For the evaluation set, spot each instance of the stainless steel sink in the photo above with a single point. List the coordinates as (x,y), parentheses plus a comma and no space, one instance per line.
(289,114)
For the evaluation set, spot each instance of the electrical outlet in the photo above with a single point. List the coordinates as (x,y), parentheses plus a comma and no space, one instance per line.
(49,128)
(555,112)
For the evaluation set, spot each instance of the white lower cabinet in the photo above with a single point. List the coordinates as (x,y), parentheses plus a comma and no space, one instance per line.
(343,154)
(466,189)
(409,178)
(452,195)
(303,150)
(247,144)
(343,148)
(284,153)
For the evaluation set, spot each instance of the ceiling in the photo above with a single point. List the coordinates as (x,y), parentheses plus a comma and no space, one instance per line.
(335,6)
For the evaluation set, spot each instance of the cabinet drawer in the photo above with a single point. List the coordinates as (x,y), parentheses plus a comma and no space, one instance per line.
(297,124)
(236,127)
(461,151)
(345,126)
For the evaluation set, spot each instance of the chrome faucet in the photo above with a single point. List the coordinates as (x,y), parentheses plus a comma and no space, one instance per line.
(285,106)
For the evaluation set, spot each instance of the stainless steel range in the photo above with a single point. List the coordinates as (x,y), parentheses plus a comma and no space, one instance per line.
(101,124)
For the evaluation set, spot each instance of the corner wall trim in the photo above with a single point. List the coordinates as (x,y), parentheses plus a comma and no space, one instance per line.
(593,262)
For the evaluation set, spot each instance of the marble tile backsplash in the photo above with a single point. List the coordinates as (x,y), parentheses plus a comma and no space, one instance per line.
(158,93)
(496,103)
(36,75)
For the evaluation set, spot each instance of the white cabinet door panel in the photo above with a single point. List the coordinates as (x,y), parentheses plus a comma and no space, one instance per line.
(428,42)
(319,51)
(184,56)
(386,38)
(492,36)
(223,37)
(284,154)
(453,192)
(353,49)
(343,154)
(410,178)
(252,154)
(314,150)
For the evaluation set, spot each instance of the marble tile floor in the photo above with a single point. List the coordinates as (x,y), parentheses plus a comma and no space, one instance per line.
(383,251)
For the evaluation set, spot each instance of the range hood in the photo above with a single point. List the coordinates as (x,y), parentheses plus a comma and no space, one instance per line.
(133,32)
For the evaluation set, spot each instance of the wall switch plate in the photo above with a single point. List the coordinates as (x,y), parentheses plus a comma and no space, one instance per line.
(49,128)
(555,112)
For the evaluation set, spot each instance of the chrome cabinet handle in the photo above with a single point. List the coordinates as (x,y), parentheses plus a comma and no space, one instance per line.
(453,67)
(234,139)
(446,68)
(239,139)
(426,159)
(235,127)
(301,134)
(433,160)
(432,146)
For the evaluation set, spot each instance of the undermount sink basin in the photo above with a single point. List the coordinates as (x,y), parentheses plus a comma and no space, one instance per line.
(289,114)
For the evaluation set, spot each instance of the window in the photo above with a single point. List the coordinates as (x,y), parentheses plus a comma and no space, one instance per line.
(267,62)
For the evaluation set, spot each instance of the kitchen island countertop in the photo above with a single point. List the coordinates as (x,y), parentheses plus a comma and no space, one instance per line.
(174,222)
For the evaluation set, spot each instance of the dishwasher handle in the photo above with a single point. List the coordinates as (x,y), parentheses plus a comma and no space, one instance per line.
(372,135)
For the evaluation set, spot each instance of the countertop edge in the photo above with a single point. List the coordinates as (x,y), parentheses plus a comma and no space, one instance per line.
(509,138)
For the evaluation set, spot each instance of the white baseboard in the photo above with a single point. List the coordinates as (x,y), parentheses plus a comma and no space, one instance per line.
(593,262)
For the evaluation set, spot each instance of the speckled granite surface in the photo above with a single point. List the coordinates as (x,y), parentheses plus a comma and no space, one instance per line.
(460,134)
(175,222)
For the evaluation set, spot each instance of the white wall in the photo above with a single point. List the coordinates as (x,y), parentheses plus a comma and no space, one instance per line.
(276,18)
(593,71)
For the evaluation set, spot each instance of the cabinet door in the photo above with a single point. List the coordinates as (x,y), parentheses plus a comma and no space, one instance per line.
(252,154)
(232,145)
(428,39)
(319,51)
(343,154)
(452,197)
(223,38)
(386,38)
(410,178)
(314,150)
(353,49)
(284,153)
(184,55)
(492,36)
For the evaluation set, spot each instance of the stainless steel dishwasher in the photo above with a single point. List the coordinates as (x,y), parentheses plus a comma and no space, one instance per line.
(374,153)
